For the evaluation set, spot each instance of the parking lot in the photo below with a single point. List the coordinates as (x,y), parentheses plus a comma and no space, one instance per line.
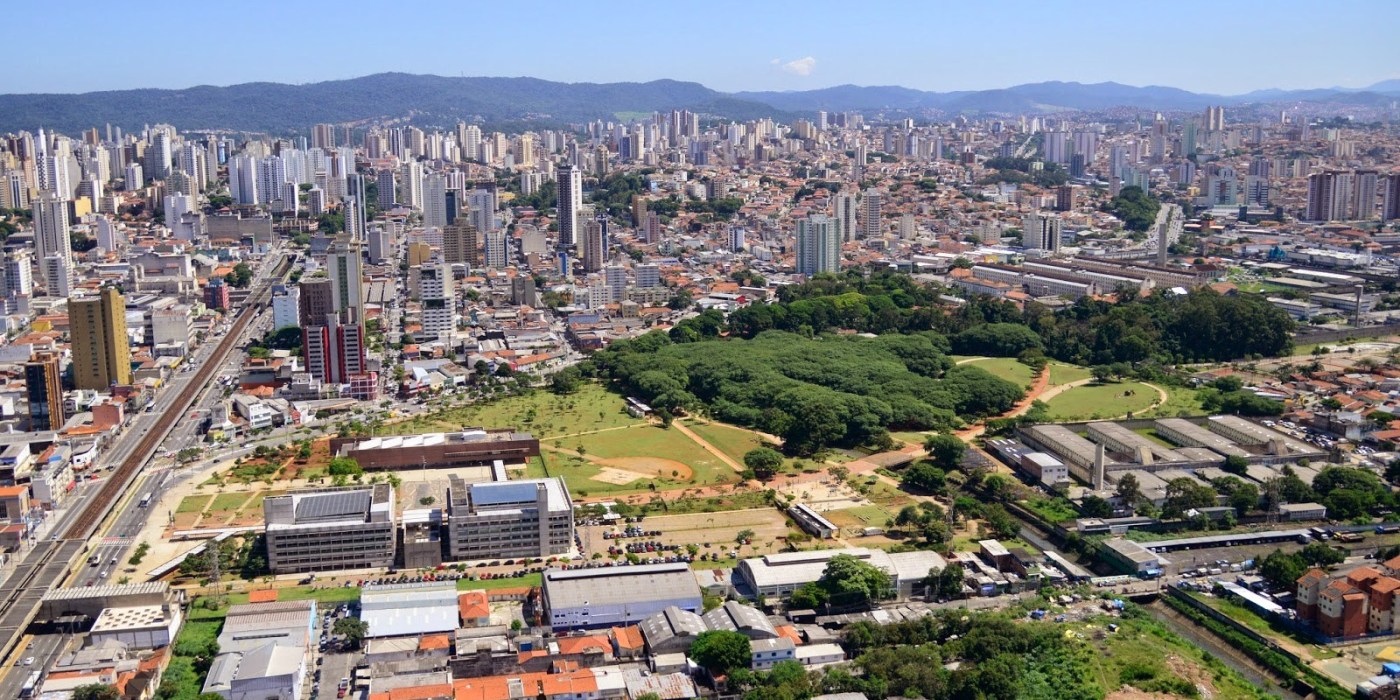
(334,661)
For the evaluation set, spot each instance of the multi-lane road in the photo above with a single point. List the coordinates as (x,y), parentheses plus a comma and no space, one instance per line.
(61,557)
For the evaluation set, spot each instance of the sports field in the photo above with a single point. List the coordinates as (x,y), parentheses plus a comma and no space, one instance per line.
(630,460)
(1101,401)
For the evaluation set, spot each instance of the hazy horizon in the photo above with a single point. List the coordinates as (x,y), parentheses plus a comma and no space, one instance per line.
(1198,46)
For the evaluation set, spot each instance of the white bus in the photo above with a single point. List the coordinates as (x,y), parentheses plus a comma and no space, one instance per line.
(31,684)
(145,500)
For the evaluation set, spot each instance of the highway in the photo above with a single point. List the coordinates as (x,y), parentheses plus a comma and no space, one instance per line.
(53,561)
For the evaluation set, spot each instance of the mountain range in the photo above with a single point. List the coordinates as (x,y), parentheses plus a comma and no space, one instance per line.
(503,102)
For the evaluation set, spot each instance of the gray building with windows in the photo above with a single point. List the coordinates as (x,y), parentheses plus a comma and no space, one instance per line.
(526,518)
(327,529)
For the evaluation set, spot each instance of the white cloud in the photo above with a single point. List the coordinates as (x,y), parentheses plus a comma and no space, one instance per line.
(801,66)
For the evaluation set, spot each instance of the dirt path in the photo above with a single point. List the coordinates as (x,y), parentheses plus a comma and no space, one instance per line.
(707,446)
(1037,391)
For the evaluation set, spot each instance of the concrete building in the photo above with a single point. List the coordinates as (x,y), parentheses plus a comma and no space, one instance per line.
(528,518)
(101,348)
(326,529)
(818,245)
(472,447)
(1130,556)
(592,598)
(43,390)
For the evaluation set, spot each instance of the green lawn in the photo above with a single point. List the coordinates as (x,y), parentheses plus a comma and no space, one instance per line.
(229,501)
(492,584)
(1253,621)
(1061,373)
(1007,368)
(1101,401)
(913,438)
(193,504)
(1151,434)
(1181,401)
(541,412)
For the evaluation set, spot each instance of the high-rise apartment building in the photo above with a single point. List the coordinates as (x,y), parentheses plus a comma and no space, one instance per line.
(315,301)
(461,243)
(1390,197)
(494,252)
(594,246)
(51,230)
(570,189)
(323,136)
(1041,231)
(1331,196)
(345,266)
(435,201)
(101,349)
(384,181)
(43,387)
(818,245)
(845,214)
(870,205)
(435,290)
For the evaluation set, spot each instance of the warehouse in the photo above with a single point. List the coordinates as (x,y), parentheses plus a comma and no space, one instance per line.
(1131,556)
(592,598)
(781,574)
(263,651)
(409,609)
(1184,432)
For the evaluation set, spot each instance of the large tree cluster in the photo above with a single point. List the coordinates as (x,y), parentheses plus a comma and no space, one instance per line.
(813,392)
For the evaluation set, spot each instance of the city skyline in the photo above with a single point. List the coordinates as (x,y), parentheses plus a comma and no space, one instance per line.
(953,47)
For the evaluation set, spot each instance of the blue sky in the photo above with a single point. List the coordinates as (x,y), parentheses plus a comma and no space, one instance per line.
(1221,46)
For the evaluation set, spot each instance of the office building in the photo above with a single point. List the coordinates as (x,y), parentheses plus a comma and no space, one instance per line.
(527,518)
(100,346)
(870,205)
(818,245)
(1041,232)
(43,388)
(570,189)
(327,529)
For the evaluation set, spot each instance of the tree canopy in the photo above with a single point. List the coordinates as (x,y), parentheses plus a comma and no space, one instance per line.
(1136,208)
(721,651)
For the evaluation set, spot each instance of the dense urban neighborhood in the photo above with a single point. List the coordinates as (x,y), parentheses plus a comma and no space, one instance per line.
(928,402)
